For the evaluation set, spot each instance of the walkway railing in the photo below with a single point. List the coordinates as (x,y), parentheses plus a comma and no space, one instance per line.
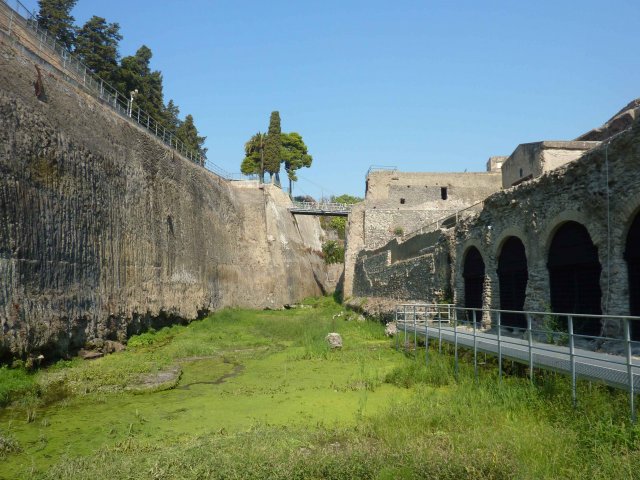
(536,344)
(321,208)
(447,221)
(19,23)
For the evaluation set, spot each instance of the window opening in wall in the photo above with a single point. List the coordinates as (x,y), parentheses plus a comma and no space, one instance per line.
(574,277)
(402,201)
(632,256)
(521,172)
(513,276)
(443,193)
(473,274)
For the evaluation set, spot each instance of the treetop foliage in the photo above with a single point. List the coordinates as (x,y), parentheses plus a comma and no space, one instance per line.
(96,45)
(272,146)
(55,17)
(264,152)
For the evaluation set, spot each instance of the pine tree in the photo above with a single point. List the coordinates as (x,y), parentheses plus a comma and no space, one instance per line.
(171,113)
(97,46)
(295,155)
(188,133)
(55,17)
(272,147)
(135,73)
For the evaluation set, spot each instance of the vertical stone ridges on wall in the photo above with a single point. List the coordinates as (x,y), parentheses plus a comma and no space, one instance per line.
(103,229)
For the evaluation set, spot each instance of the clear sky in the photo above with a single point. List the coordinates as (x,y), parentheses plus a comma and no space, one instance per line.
(421,85)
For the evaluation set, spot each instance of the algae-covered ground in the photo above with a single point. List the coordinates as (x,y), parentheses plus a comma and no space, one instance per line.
(259,394)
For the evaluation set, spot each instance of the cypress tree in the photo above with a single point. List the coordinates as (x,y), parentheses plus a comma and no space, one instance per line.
(273,143)
(188,133)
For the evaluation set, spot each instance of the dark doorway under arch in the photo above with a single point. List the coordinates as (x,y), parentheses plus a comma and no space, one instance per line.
(632,256)
(574,276)
(513,276)
(473,273)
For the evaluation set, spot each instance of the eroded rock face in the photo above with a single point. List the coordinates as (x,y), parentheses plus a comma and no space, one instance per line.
(105,231)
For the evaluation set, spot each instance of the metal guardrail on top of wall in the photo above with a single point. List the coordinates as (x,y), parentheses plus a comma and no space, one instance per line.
(534,345)
(17,19)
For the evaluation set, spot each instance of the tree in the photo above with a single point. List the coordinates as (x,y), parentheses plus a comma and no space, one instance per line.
(272,146)
(171,115)
(339,224)
(253,163)
(55,17)
(188,133)
(135,73)
(97,46)
(294,155)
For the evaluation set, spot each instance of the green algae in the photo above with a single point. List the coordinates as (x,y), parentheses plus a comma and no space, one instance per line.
(238,369)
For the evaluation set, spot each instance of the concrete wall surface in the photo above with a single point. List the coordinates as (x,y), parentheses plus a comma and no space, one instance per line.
(104,230)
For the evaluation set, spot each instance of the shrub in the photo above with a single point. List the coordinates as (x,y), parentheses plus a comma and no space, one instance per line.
(333,253)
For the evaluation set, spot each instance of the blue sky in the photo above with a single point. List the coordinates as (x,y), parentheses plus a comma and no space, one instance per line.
(421,85)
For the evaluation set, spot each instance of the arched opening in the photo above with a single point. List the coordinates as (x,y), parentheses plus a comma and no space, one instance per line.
(632,256)
(473,273)
(574,276)
(513,276)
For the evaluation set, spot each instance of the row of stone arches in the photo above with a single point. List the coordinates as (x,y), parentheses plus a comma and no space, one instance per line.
(574,275)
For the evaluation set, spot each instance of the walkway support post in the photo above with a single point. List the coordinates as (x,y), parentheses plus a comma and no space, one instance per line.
(572,356)
(499,350)
(627,339)
(530,338)
(396,318)
(440,333)
(426,337)
(475,346)
(415,334)
(455,347)
(404,321)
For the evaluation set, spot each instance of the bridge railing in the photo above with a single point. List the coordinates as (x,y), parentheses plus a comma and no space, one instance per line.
(563,342)
(321,206)
(19,23)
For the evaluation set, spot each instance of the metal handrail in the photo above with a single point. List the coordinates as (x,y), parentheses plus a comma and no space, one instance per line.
(618,371)
(322,206)
(20,19)
(430,226)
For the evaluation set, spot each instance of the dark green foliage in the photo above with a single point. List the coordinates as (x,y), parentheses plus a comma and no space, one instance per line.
(272,146)
(55,17)
(171,113)
(97,46)
(188,133)
(333,253)
(135,74)
(253,163)
(294,154)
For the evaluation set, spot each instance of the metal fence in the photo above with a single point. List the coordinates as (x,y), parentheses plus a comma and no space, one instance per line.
(18,22)
(536,345)
(325,208)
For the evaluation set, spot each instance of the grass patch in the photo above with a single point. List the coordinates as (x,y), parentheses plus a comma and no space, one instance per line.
(262,396)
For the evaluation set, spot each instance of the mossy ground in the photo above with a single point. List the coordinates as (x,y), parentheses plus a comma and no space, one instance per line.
(262,396)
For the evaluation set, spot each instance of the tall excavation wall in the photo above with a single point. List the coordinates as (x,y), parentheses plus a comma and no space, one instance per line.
(104,230)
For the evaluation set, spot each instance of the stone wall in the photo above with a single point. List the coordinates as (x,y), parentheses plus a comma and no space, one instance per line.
(530,160)
(601,191)
(398,203)
(104,230)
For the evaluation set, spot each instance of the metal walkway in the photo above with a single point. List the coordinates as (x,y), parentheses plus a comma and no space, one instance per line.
(531,346)
(320,208)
